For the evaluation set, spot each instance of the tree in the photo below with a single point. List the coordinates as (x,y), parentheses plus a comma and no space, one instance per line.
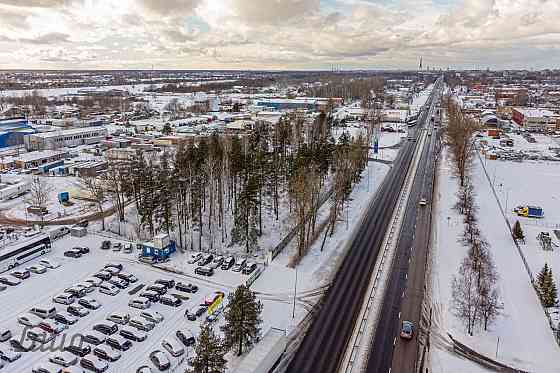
(210,352)
(243,319)
(464,295)
(459,135)
(96,190)
(39,191)
(546,287)
(518,234)
(166,130)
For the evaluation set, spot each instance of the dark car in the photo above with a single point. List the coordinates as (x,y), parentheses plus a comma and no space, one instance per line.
(188,288)
(170,301)
(106,328)
(249,268)
(106,245)
(167,283)
(206,259)
(103,275)
(9,281)
(136,336)
(127,276)
(204,271)
(64,319)
(82,249)
(22,275)
(23,346)
(80,349)
(187,340)
(151,295)
(73,254)
(78,311)
(114,265)
(407,330)
(160,360)
(160,289)
(120,283)
(201,310)
(228,263)
(119,343)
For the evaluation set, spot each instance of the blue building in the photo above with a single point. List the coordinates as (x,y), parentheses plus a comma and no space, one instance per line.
(13,130)
(160,248)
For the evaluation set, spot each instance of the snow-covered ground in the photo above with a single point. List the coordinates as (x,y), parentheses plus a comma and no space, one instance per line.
(525,338)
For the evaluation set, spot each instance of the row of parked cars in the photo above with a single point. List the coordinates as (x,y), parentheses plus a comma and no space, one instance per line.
(207,263)
(17,276)
(117,246)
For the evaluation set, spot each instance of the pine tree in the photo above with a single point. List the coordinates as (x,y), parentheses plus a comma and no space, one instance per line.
(518,232)
(546,287)
(210,352)
(243,319)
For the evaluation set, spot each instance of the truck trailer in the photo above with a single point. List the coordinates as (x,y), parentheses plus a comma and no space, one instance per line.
(530,211)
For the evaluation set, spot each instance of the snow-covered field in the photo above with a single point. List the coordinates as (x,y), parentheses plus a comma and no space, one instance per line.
(40,288)
(525,338)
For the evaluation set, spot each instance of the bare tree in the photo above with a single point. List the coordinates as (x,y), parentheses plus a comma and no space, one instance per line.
(96,190)
(40,190)
(459,136)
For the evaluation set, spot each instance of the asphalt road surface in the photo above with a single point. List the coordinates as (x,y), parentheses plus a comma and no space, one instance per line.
(326,340)
(405,290)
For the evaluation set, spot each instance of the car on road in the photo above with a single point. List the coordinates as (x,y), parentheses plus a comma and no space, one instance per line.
(77,310)
(185,337)
(65,318)
(73,254)
(407,330)
(107,328)
(188,288)
(194,258)
(21,275)
(152,316)
(107,353)
(89,303)
(172,346)
(63,358)
(37,268)
(94,364)
(160,360)
(9,281)
(423,202)
(8,354)
(106,245)
(128,248)
(204,271)
(228,263)
(50,264)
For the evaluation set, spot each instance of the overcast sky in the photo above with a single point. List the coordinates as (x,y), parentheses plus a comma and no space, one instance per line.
(279,34)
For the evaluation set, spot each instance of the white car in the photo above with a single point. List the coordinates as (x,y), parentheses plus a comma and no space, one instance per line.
(107,353)
(108,289)
(37,268)
(87,286)
(9,354)
(194,258)
(119,318)
(89,303)
(152,316)
(423,202)
(29,320)
(94,281)
(63,358)
(173,346)
(91,362)
(51,264)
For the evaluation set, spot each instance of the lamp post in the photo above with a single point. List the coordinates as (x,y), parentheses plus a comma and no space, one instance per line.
(295,294)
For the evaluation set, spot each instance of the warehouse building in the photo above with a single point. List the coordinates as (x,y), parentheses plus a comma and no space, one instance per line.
(535,119)
(66,138)
(39,158)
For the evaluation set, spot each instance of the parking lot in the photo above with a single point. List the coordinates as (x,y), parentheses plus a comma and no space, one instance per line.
(39,289)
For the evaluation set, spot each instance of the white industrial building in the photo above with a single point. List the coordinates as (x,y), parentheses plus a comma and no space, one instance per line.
(65,138)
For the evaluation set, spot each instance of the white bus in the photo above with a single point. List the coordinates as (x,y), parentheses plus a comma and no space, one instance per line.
(21,252)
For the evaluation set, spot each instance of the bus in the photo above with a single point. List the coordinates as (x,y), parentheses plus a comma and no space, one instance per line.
(14,255)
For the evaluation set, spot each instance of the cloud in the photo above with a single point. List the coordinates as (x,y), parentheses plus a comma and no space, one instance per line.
(35,3)
(50,38)
(170,7)
(273,11)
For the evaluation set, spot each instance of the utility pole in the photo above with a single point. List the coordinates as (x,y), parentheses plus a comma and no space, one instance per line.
(295,294)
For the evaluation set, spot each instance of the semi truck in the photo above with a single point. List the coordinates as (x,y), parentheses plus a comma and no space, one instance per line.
(530,211)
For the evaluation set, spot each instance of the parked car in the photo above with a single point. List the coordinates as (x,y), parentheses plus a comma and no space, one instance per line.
(9,281)
(170,301)
(21,275)
(119,318)
(76,292)
(133,334)
(239,265)
(407,330)
(8,354)
(50,264)
(82,249)
(107,328)
(52,326)
(28,319)
(103,275)
(93,363)
(140,302)
(118,342)
(118,282)
(423,202)
(217,262)
(152,316)
(93,337)
(5,334)
(167,283)
(249,268)
(206,259)
(204,271)
(24,346)
(107,353)
(194,258)
(65,318)
(95,281)
(151,295)
(106,245)
(173,347)
(79,349)
(160,289)
(185,337)
(112,270)
(228,263)
(188,288)
(89,303)
(141,324)
(63,358)
(64,298)
(87,286)
(117,246)
(77,310)
(127,276)
(109,289)
(160,360)
(128,248)
(211,298)
(37,268)
(40,335)
(82,224)
(73,253)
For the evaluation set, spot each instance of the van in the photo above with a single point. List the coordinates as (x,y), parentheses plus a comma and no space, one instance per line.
(140,303)
(43,312)
(64,298)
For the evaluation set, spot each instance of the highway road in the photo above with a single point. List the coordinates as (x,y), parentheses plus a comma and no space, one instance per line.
(326,340)
(405,290)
